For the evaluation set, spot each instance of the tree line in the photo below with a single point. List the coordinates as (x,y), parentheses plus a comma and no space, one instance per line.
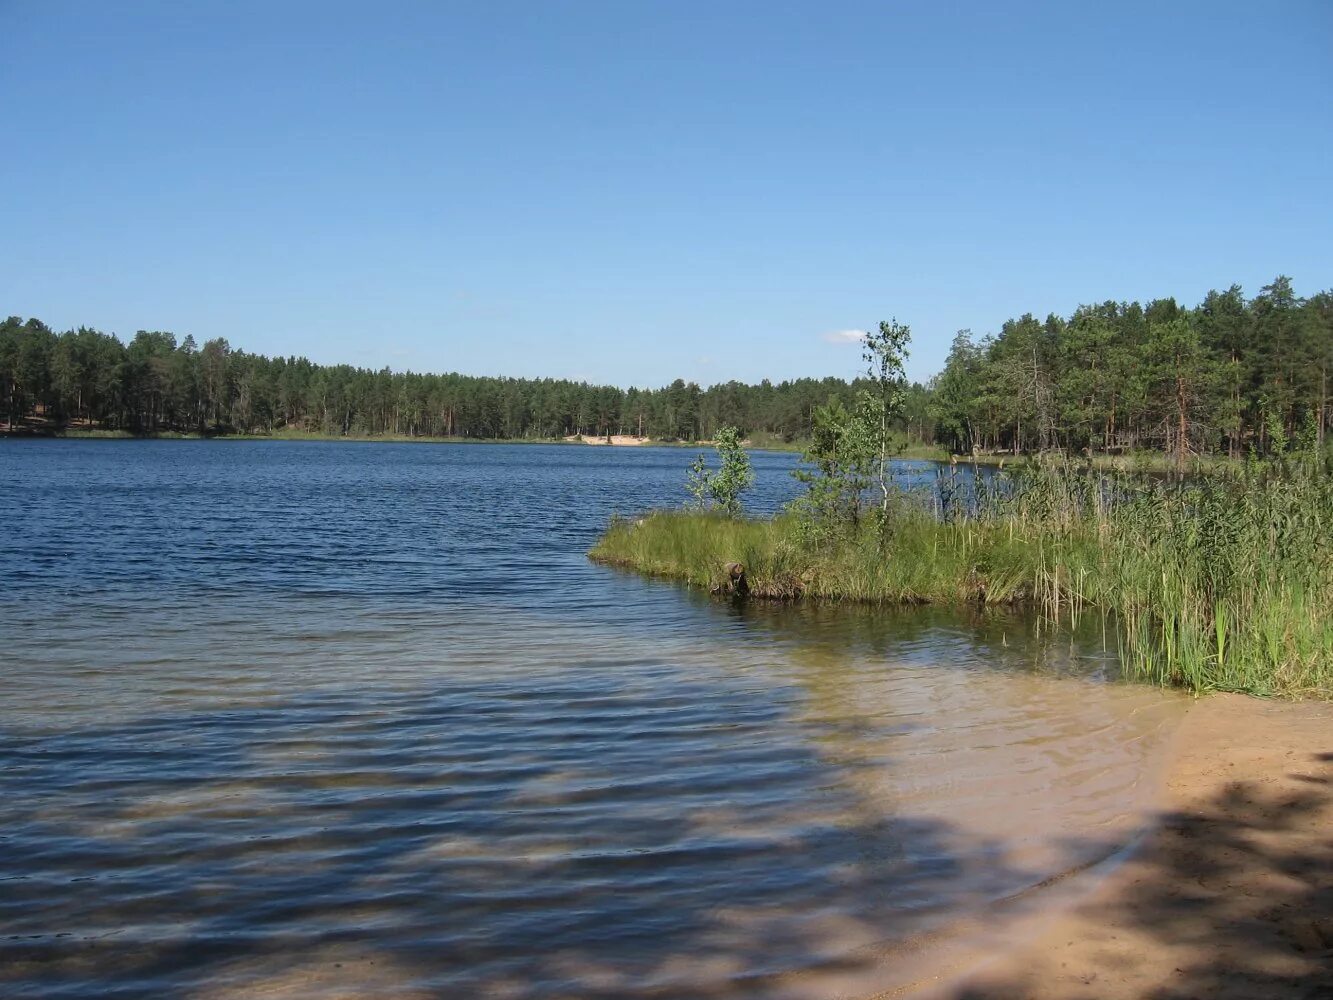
(1229,375)
(155,384)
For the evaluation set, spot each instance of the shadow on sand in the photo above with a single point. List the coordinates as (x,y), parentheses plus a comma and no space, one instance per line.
(1232,900)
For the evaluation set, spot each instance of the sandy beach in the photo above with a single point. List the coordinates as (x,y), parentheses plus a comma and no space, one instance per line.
(617,440)
(1230,897)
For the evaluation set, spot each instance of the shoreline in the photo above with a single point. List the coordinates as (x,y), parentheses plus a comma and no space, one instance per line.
(618,440)
(1229,894)
(1101,461)
(1053,547)
(625,441)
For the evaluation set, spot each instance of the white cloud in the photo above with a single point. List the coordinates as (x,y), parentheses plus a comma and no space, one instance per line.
(844,336)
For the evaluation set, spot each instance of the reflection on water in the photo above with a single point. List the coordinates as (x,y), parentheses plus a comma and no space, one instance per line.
(393,750)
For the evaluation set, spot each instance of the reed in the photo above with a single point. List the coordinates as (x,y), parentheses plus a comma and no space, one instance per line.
(1223,582)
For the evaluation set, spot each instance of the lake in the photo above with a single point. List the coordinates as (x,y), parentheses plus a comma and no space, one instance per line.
(336,719)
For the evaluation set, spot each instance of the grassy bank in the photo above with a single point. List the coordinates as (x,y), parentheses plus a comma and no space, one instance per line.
(1223,583)
(1153,462)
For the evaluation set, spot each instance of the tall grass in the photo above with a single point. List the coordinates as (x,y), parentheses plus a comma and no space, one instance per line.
(1223,582)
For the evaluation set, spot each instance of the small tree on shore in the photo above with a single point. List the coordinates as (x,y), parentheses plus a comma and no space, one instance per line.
(884,354)
(851,449)
(722,489)
(840,460)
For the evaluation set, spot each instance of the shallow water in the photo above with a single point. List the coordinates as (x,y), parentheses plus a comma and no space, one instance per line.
(329,719)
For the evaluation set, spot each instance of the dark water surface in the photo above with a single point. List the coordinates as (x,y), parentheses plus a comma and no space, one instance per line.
(305,719)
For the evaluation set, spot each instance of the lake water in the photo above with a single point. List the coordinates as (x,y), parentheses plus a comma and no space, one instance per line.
(307,719)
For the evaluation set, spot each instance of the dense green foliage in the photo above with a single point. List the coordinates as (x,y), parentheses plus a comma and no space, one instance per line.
(1229,376)
(1224,582)
(155,384)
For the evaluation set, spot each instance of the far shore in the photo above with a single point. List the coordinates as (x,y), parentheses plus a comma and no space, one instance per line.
(615,440)
(1105,461)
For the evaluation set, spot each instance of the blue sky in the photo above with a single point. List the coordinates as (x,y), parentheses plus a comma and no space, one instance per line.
(632,191)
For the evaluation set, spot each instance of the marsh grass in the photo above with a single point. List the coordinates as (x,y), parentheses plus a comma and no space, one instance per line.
(1222,582)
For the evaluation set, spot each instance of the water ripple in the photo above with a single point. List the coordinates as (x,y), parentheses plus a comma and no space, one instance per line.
(339,720)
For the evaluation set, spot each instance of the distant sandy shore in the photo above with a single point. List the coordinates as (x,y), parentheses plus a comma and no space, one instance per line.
(1230,897)
(614,439)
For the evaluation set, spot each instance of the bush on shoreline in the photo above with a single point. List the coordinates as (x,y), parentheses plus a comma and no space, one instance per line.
(1223,583)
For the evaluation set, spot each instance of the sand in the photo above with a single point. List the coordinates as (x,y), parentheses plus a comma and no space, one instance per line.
(1231,896)
(618,440)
